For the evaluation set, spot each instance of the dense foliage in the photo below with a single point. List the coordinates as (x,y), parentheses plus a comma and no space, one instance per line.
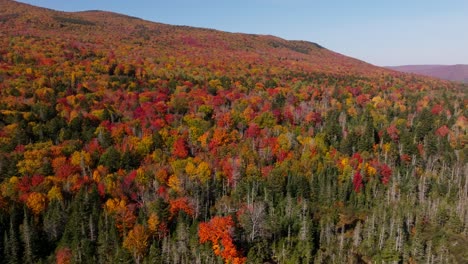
(128,141)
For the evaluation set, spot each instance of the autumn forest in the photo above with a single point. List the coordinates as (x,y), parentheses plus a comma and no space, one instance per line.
(128,141)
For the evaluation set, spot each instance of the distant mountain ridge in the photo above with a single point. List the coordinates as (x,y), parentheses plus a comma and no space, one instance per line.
(458,72)
(24,19)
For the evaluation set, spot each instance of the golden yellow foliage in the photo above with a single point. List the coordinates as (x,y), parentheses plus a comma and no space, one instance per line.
(370,171)
(33,161)
(81,158)
(174,183)
(9,188)
(137,241)
(55,194)
(37,202)
(304,140)
(44,93)
(215,83)
(142,177)
(99,172)
(284,142)
(252,170)
(115,204)
(143,146)
(344,161)
(386,147)
(153,223)
(203,172)
(99,113)
(110,182)
(190,169)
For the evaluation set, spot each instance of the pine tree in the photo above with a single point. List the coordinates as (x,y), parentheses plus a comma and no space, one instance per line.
(27,237)
(108,239)
(154,255)
(55,218)
(111,159)
(11,246)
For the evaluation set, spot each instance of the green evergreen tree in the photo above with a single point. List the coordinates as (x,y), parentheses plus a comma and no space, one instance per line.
(111,159)
(11,247)
(28,237)
(154,255)
(55,218)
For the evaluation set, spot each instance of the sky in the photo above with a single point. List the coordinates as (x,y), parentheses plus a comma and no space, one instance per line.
(381,32)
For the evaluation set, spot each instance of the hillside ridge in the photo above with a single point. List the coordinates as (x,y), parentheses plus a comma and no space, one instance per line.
(59,22)
(456,72)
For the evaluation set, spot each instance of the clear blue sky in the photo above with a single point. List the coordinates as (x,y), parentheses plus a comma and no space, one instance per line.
(382,32)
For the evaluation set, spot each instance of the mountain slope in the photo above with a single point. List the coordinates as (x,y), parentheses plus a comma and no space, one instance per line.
(128,141)
(216,45)
(458,73)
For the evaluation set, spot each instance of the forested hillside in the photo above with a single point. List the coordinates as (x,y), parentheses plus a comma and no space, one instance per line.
(127,141)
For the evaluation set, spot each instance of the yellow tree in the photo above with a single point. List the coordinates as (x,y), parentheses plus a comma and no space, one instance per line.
(153,223)
(137,242)
(203,172)
(37,202)
(82,159)
(124,217)
(35,157)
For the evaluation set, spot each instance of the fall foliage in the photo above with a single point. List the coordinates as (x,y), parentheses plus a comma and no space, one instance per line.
(218,231)
(137,242)
(125,140)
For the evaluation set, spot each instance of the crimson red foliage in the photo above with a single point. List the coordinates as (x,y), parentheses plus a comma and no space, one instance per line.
(180,148)
(357,182)
(385,172)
